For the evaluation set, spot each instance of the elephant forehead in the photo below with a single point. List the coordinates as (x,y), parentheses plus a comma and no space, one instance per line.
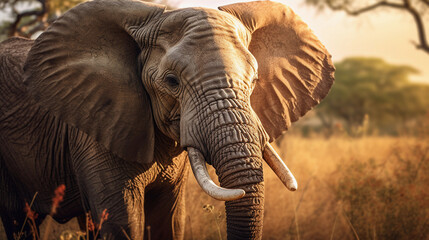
(206,38)
(197,23)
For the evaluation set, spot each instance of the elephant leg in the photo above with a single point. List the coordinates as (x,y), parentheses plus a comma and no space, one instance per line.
(105,191)
(12,206)
(106,186)
(165,210)
(13,223)
(165,213)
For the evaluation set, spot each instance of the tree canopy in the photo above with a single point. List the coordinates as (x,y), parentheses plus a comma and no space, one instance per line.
(31,16)
(370,87)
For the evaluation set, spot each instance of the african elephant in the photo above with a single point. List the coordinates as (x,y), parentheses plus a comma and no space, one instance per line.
(115,95)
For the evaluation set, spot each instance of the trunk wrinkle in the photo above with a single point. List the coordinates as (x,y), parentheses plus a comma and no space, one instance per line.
(245,215)
(232,139)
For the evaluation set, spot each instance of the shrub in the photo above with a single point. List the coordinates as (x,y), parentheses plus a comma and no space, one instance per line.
(387,200)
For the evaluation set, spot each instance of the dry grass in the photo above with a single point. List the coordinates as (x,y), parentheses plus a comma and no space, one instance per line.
(349,188)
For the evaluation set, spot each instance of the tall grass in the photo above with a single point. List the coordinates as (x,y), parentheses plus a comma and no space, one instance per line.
(388,199)
(349,188)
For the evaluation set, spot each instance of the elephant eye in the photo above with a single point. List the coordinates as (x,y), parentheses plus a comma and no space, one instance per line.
(172,80)
(254,80)
(256,77)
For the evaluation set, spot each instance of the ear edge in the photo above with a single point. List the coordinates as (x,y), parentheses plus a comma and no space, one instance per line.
(290,106)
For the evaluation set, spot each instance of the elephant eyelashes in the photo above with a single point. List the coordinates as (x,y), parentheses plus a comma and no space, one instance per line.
(172,80)
(254,80)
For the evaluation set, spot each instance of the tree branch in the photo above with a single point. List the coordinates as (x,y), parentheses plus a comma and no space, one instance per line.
(344,7)
(13,27)
(422,45)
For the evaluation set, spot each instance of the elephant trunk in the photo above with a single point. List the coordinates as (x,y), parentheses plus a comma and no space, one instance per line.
(235,151)
(228,135)
(244,193)
(244,216)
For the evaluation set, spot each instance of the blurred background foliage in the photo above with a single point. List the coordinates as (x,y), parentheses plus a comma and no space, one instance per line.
(374,93)
(28,17)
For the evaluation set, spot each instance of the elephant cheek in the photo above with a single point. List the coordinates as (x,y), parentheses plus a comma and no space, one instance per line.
(191,130)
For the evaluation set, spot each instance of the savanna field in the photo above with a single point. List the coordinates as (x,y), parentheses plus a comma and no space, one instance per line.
(369,187)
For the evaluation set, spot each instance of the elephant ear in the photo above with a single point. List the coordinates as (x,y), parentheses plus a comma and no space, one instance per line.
(295,70)
(85,70)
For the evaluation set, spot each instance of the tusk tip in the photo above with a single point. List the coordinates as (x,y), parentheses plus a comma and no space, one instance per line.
(292,186)
(242,193)
(280,168)
(199,169)
(234,195)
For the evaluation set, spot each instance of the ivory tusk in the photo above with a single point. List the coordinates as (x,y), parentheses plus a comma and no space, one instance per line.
(199,168)
(279,168)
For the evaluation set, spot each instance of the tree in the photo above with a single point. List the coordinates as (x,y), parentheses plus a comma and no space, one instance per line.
(419,10)
(37,16)
(371,87)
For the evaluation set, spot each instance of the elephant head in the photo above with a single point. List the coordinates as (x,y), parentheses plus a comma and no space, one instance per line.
(223,83)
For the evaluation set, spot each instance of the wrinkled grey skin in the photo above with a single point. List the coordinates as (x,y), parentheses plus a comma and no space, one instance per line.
(39,152)
(195,77)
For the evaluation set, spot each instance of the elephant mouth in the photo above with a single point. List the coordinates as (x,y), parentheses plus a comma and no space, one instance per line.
(175,121)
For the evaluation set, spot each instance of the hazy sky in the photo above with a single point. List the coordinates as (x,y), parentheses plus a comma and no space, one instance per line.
(386,34)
